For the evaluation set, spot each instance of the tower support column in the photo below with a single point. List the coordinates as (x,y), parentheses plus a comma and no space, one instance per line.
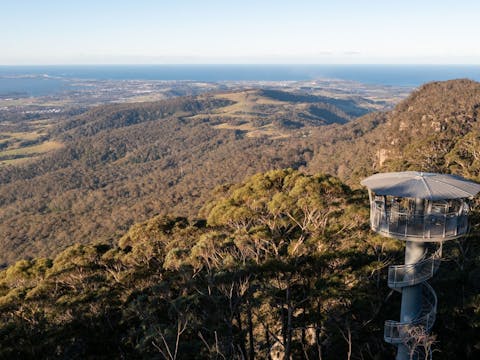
(411,295)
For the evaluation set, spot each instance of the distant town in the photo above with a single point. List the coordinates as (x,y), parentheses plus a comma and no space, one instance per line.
(81,94)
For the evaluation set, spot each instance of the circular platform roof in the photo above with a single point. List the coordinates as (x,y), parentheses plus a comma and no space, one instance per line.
(413,184)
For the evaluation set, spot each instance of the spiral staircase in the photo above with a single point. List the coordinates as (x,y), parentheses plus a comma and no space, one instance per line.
(401,276)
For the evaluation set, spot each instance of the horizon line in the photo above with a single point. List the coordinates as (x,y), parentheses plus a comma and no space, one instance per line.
(243,64)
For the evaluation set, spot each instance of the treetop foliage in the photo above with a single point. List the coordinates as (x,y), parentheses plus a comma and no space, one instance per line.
(284,265)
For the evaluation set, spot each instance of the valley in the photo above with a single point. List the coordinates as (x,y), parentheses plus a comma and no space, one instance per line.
(91,172)
(131,221)
(26,121)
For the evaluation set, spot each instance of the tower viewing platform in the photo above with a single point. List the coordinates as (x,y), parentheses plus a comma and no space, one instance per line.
(418,208)
(437,220)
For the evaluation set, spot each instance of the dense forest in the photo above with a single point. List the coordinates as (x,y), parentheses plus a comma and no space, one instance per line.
(125,163)
(121,164)
(236,260)
(283,266)
(435,129)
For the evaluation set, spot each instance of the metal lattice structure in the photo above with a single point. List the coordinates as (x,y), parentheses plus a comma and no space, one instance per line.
(424,210)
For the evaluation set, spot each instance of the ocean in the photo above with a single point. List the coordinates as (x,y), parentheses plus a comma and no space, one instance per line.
(46,80)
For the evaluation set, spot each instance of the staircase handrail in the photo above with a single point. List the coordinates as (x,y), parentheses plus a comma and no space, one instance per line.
(412,274)
(396,332)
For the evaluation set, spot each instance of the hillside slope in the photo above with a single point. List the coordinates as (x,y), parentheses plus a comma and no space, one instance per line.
(120,164)
(435,129)
(283,265)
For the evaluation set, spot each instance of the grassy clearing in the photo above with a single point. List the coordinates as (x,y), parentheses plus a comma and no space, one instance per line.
(23,135)
(243,127)
(42,123)
(35,149)
(35,101)
(38,130)
(241,114)
(15,161)
(27,153)
(245,102)
(251,131)
(244,109)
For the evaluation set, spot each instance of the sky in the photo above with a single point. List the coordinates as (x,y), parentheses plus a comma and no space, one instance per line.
(237,32)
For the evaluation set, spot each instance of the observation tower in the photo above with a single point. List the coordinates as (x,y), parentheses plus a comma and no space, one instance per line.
(424,210)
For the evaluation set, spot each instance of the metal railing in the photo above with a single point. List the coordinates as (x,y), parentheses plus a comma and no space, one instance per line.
(430,226)
(408,275)
(396,332)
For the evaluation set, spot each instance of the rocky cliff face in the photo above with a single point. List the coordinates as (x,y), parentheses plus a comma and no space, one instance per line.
(423,130)
(439,111)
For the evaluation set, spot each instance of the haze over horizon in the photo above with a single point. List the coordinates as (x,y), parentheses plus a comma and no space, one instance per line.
(246,32)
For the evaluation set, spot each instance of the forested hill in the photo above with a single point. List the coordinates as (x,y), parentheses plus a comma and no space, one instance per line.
(437,128)
(121,164)
(283,266)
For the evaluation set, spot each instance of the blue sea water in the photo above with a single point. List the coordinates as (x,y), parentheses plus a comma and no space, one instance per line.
(45,80)
(32,86)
